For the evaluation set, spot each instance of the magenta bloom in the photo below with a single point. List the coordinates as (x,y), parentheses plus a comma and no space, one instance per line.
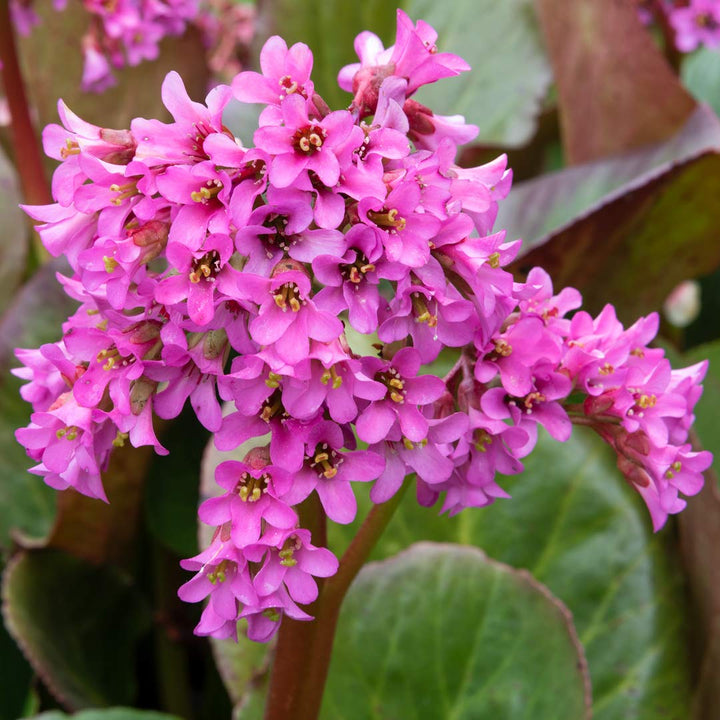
(300,144)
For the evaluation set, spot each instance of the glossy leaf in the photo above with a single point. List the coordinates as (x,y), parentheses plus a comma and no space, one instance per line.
(83,526)
(137,93)
(27,505)
(14,236)
(707,411)
(504,104)
(616,91)
(627,229)
(15,680)
(574,524)
(440,631)
(116,713)
(700,537)
(77,624)
(171,494)
(328,27)
(504,92)
(701,75)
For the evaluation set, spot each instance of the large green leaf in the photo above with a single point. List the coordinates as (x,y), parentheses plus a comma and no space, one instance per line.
(442,632)
(116,713)
(77,624)
(701,75)
(14,233)
(83,526)
(171,494)
(15,678)
(707,411)
(27,505)
(503,92)
(629,228)
(328,27)
(574,524)
(700,538)
(616,91)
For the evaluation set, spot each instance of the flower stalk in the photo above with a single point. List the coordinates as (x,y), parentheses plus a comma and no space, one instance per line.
(28,158)
(309,667)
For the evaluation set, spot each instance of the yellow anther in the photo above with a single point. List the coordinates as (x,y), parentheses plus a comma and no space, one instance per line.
(646,401)
(482,439)
(124,192)
(503,348)
(120,439)
(607,369)
(110,264)
(218,574)
(273,380)
(494,260)
(61,432)
(71,148)
(205,193)
(397,397)
(408,443)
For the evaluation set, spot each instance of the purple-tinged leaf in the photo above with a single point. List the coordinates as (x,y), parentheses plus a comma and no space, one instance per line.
(627,229)
(616,91)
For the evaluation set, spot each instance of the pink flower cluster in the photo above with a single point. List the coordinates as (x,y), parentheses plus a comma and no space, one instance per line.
(121,32)
(694,22)
(207,270)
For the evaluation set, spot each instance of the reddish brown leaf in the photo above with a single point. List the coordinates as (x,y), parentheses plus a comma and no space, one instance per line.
(616,91)
(137,93)
(627,229)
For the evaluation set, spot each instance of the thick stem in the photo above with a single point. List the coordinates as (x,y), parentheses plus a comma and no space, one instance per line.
(295,638)
(330,600)
(28,157)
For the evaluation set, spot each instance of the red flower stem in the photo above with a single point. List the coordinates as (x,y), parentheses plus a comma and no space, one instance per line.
(295,638)
(28,157)
(328,606)
(672,54)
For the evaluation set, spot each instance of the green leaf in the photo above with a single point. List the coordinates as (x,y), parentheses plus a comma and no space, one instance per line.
(701,75)
(14,235)
(504,91)
(630,228)
(116,713)
(27,505)
(329,28)
(77,624)
(576,526)
(440,631)
(707,411)
(504,104)
(616,91)
(15,678)
(171,495)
